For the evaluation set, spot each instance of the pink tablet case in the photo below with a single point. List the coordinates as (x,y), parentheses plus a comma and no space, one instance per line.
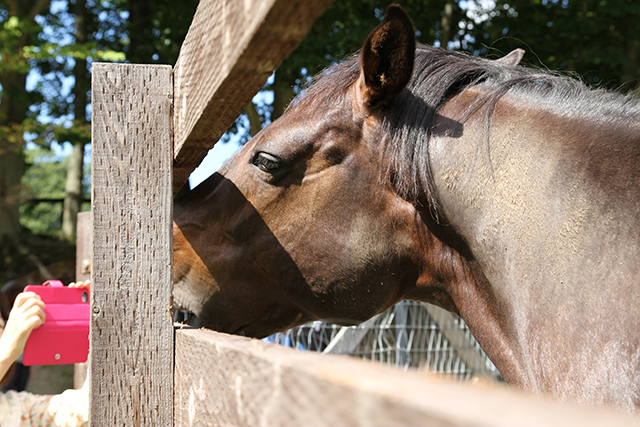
(64,337)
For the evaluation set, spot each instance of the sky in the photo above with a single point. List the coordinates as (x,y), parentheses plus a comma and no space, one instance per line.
(220,153)
(216,157)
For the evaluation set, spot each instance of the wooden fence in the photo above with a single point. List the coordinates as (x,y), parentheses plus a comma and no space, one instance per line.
(151,126)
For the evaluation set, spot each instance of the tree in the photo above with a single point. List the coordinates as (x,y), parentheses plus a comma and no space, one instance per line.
(19,26)
(340,32)
(597,39)
(73,187)
(44,179)
(57,41)
(156,29)
(34,39)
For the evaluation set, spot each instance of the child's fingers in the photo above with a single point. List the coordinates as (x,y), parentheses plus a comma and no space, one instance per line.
(35,313)
(27,314)
(29,324)
(27,304)
(32,322)
(24,297)
(80,285)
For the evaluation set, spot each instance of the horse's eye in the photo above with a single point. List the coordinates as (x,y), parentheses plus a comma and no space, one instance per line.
(266,162)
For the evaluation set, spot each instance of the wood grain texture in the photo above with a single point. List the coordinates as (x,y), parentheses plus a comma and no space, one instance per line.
(131,330)
(232,47)
(225,380)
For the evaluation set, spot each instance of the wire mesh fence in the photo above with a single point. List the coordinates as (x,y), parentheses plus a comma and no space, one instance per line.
(408,335)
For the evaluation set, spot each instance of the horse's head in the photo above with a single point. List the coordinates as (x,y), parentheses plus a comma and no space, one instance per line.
(329,213)
(302,223)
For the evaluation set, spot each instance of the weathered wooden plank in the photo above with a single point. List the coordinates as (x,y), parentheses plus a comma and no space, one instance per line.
(131,330)
(224,380)
(84,229)
(229,52)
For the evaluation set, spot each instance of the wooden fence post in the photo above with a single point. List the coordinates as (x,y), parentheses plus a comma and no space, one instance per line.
(132,338)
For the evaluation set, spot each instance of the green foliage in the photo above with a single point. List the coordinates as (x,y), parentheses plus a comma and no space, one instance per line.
(44,45)
(340,32)
(342,29)
(22,59)
(45,178)
(597,39)
(44,134)
(156,29)
(76,51)
(9,34)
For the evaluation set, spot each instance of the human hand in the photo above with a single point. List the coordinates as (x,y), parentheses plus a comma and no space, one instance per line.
(81,285)
(26,315)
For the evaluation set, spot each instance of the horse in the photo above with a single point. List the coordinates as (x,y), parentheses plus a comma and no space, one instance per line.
(507,195)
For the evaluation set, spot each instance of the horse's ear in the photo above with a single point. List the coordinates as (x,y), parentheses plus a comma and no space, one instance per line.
(513,58)
(387,58)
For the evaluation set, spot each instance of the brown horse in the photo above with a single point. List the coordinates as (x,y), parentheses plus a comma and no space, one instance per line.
(506,195)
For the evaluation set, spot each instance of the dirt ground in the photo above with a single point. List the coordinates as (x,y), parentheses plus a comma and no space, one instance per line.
(51,379)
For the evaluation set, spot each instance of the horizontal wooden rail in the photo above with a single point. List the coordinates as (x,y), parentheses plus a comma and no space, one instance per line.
(224,380)
(232,47)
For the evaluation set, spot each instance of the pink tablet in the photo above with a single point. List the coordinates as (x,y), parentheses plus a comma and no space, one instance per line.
(64,336)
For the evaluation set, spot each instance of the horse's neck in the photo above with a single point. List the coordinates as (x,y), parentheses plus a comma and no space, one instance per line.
(559,264)
(532,215)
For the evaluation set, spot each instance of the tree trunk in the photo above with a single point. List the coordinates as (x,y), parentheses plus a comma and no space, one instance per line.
(255,124)
(73,189)
(139,27)
(13,109)
(445,25)
(630,74)
(282,93)
(11,169)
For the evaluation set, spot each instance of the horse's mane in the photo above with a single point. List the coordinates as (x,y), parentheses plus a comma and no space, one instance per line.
(438,74)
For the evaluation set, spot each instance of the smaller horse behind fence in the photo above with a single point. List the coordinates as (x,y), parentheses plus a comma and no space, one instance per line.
(506,195)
